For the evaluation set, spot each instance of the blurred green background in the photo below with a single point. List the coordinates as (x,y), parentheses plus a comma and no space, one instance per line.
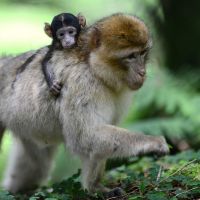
(169,102)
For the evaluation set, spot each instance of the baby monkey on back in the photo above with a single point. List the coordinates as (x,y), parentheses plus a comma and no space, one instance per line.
(64,30)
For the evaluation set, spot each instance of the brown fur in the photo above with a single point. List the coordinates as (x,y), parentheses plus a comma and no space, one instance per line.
(124,33)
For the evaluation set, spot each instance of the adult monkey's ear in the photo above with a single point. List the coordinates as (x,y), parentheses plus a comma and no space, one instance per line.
(94,37)
(82,20)
(47,29)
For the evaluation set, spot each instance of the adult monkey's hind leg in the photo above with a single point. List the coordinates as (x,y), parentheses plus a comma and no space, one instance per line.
(28,166)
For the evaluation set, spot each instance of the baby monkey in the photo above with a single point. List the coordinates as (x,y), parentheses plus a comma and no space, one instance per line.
(64,30)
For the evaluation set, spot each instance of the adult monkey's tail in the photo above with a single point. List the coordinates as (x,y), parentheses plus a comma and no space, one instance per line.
(2,129)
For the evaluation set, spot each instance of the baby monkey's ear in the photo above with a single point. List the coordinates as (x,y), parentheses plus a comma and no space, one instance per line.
(47,29)
(82,20)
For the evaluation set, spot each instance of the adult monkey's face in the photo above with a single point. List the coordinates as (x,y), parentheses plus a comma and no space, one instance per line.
(121,45)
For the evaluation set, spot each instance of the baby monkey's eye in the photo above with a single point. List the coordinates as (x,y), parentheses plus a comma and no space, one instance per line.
(71,32)
(61,34)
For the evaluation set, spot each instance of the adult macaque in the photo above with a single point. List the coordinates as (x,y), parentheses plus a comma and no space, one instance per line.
(99,77)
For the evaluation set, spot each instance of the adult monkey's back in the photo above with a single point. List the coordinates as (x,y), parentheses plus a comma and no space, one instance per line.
(98,79)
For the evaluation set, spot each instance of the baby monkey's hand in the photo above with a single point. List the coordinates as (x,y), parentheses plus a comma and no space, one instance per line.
(56,88)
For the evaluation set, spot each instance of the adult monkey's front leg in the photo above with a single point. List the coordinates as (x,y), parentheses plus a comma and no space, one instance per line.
(93,167)
(112,142)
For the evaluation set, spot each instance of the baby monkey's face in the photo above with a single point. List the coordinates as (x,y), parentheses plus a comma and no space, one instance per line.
(67,36)
(65,29)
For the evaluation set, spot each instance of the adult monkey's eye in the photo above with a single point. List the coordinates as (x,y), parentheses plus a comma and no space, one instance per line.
(61,34)
(132,56)
(143,52)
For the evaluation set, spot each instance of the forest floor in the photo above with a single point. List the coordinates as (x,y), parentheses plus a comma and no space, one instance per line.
(168,178)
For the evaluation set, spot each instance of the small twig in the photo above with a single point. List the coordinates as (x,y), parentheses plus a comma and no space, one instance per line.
(178,170)
(159,174)
(111,198)
(187,191)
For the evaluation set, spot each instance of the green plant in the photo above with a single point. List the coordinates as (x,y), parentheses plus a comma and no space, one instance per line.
(171,177)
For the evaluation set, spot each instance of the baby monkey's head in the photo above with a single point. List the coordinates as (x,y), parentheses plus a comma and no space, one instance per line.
(65,29)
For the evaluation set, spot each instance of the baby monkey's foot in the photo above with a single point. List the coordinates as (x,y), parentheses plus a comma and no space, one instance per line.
(56,88)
